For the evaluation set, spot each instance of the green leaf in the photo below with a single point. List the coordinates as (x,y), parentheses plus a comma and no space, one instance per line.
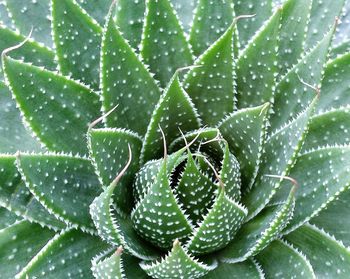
(177,264)
(329,258)
(130,16)
(322,18)
(195,191)
(247,28)
(247,269)
(98,9)
(58,111)
(282,260)
(318,188)
(125,81)
(16,197)
(63,184)
(338,211)
(245,131)
(295,16)
(30,52)
(219,226)
(340,50)
(5,17)
(343,27)
(211,86)
(292,94)
(115,228)
(158,217)
(37,13)
(211,20)
(185,10)
(68,254)
(335,84)
(164,46)
(13,136)
(7,218)
(259,232)
(77,39)
(230,175)
(111,267)
(257,67)
(328,128)
(19,244)
(280,153)
(176,107)
(115,265)
(109,152)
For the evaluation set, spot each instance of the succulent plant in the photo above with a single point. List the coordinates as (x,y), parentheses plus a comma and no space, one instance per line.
(174,139)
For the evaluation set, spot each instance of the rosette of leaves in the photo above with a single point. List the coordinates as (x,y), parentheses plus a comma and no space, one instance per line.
(174,139)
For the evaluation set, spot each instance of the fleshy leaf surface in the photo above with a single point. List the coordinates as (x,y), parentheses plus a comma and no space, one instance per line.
(185,10)
(7,218)
(98,9)
(126,82)
(58,109)
(164,46)
(77,39)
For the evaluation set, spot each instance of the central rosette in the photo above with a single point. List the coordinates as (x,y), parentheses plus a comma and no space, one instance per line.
(191,195)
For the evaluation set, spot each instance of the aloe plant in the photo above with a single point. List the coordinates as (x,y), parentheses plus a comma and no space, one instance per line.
(174,139)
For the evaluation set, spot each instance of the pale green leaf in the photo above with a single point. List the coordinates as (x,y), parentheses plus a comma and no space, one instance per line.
(174,107)
(98,9)
(177,264)
(77,39)
(246,131)
(211,20)
(109,153)
(257,67)
(5,17)
(67,255)
(19,244)
(339,50)
(164,46)
(64,184)
(211,85)
(282,260)
(126,82)
(185,10)
(329,258)
(7,218)
(343,30)
(58,110)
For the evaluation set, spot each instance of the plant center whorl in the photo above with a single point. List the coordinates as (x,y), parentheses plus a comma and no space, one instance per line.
(174,203)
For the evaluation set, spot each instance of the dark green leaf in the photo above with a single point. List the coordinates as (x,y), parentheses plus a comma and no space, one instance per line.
(244,270)
(110,267)
(158,217)
(281,149)
(329,258)
(211,86)
(19,244)
(292,94)
(30,52)
(211,20)
(322,18)
(13,135)
(177,264)
(65,185)
(58,110)
(247,28)
(245,131)
(67,255)
(130,16)
(257,67)
(323,174)
(37,14)
(334,219)
(115,228)
(259,232)
(125,81)
(77,39)
(219,226)
(335,85)
(281,260)
(329,128)
(174,107)
(164,46)
(109,152)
